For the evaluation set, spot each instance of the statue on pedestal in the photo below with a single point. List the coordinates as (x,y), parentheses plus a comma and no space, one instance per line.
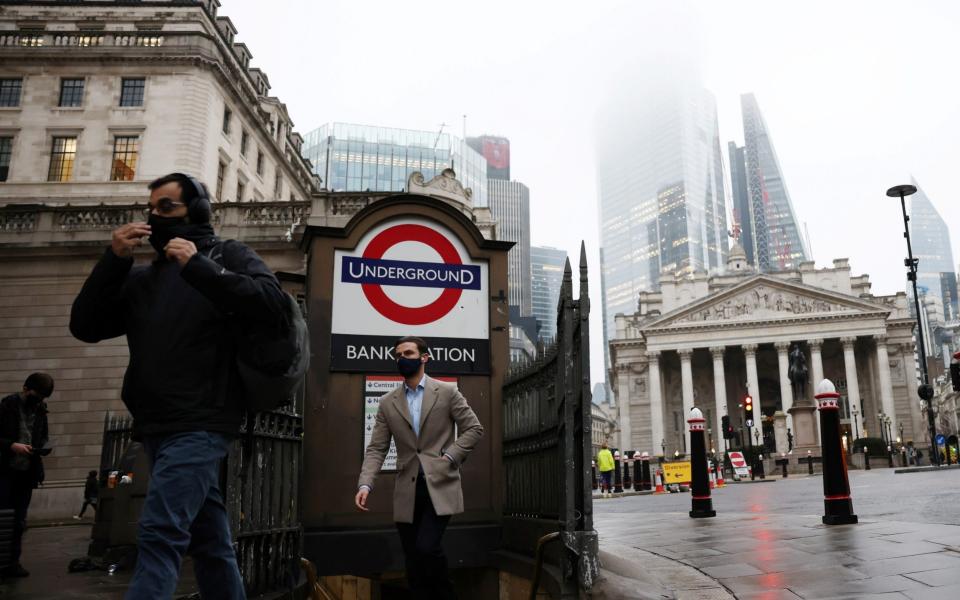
(798,374)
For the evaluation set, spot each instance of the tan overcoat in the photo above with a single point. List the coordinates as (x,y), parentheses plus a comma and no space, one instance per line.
(443,408)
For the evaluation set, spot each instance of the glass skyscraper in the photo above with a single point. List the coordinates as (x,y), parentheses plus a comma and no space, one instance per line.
(661,185)
(356,158)
(931,245)
(510,206)
(769,229)
(546,266)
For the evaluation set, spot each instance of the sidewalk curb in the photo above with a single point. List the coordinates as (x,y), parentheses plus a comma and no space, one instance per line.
(924,469)
(660,576)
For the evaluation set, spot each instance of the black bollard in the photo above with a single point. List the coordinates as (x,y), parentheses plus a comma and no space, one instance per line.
(837,504)
(646,483)
(701,502)
(627,472)
(809,463)
(617,477)
(889,457)
(783,464)
(866,459)
(760,467)
(593,474)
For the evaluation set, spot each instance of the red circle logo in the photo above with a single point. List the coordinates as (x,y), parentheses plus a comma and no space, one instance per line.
(411,315)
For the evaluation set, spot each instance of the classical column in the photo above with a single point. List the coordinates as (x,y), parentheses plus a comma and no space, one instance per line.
(656,404)
(686,378)
(886,388)
(623,402)
(720,396)
(786,391)
(853,388)
(816,370)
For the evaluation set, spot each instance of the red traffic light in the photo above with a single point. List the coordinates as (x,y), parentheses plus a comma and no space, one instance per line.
(748,401)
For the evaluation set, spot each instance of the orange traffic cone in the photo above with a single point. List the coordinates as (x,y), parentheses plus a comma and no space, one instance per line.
(659,481)
(713,477)
(720,482)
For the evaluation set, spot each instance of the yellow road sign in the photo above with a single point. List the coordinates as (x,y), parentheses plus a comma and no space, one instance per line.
(676,472)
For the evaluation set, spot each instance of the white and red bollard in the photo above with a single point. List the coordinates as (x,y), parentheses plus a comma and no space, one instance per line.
(720,482)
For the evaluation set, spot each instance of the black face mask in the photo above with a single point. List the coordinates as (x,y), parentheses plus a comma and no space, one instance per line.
(164,229)
(408,366)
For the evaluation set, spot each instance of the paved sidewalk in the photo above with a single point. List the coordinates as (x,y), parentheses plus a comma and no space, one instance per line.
(46,553)
(758,555)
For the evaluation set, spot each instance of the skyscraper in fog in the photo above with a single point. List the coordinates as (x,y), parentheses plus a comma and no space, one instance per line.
(931,245)
(769,229)
(546,268)
(661,183)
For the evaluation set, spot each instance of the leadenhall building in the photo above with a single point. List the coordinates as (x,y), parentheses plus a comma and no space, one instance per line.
(710,340)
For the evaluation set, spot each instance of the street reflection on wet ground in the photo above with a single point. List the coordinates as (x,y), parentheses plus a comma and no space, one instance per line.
(767,540)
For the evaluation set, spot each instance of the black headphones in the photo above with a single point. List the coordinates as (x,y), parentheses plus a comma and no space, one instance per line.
(198,210)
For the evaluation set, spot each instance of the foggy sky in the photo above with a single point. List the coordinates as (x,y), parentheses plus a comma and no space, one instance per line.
(857,95)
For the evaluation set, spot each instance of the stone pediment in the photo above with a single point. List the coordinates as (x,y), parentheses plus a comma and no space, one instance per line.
(764,298)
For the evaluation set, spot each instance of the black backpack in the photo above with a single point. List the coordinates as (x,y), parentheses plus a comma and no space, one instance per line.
(272,362)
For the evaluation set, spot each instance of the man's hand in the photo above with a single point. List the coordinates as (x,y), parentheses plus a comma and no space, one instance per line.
(180,250)
(127,237)
(361,499)
(24,449)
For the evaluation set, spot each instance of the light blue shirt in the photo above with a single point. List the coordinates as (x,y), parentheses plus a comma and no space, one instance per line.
(415,403)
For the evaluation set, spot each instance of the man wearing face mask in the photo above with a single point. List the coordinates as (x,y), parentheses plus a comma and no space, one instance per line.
(181,384)
(23,440)
(423,417)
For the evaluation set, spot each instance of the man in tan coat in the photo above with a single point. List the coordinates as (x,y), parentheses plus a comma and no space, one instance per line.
(423,417)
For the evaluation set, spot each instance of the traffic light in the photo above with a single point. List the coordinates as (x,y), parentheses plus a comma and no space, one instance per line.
(725,425)
(748,410)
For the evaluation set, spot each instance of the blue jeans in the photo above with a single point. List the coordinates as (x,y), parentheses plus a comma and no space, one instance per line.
(184,513)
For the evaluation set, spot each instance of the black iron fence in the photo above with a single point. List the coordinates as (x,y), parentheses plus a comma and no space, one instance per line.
(546,446)
(261,483)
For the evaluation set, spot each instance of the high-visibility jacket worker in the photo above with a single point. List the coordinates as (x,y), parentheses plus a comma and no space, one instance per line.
(605,465)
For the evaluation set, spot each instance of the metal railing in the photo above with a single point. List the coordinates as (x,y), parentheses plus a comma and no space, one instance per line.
(547,446)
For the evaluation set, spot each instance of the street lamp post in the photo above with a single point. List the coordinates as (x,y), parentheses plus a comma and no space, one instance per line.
(883,427)
(924,391)
(856,430)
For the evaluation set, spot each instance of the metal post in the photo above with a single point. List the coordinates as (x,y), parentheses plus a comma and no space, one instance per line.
(889,457)
(866,458)
(617,481)
(627,476)
(837,504)
(925,391)
(701,502)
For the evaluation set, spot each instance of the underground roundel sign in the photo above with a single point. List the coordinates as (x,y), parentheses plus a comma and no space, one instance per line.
(410,277)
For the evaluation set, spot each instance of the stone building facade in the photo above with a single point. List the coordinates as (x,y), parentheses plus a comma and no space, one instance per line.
(708,341)
(96,100)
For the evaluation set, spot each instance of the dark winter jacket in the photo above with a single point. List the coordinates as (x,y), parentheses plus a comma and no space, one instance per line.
(181,375)
(10,433)
(91,489)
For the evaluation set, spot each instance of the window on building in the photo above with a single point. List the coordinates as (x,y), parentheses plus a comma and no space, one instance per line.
(244,138)
(259,162)
(131,91)
(241,188)
(221,170)
(63,154)
(126,149)
(227,115)
(71,92)
(6,152)
(10,92)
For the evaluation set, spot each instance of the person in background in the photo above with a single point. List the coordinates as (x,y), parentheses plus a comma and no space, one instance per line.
(90,494)
(605,466)
(24,434)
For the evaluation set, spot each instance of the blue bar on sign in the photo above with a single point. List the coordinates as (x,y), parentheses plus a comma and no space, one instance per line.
(356,269)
